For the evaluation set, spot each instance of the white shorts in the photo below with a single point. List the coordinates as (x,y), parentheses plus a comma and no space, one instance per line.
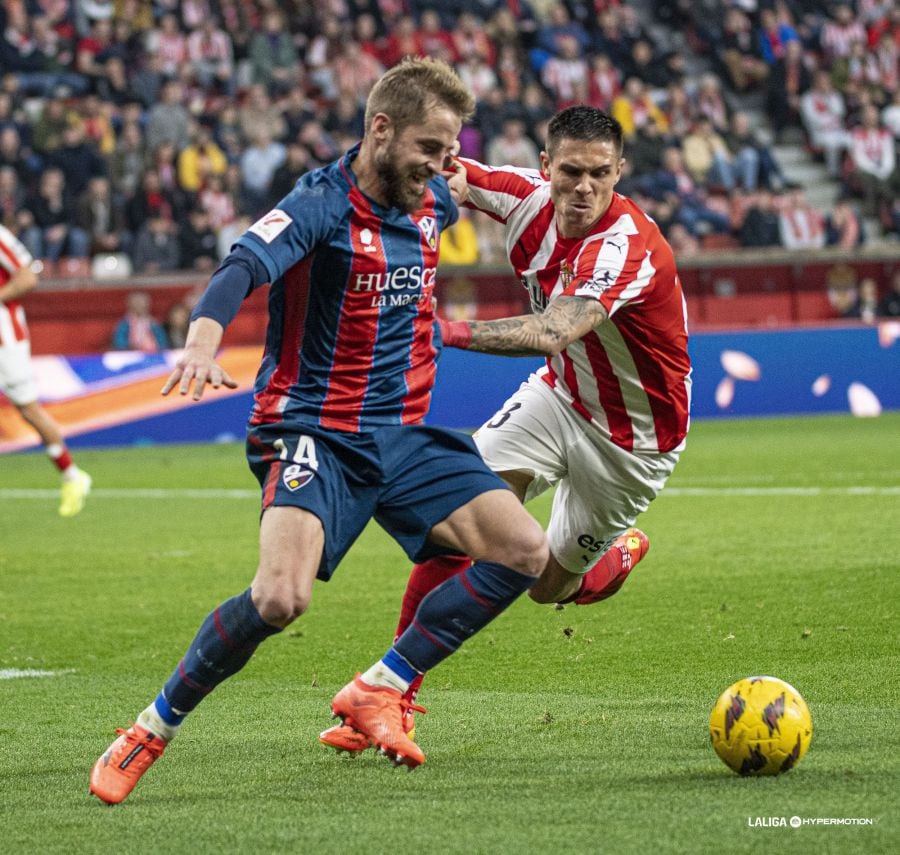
(16,378)
(602,487)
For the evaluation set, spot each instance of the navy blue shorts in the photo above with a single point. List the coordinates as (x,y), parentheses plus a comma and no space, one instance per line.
(408,478)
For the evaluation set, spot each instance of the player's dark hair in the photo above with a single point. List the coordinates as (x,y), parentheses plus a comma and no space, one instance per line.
(586,124)
(408,90)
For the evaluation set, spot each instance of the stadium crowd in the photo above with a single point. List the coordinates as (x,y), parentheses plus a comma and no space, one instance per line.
(160,129)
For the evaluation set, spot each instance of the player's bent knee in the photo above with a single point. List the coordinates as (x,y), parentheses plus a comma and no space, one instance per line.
(527,552)
(280,607)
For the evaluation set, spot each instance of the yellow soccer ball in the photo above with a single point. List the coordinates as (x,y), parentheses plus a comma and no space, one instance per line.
(760,726)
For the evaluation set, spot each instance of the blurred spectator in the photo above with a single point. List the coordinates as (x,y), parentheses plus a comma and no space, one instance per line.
(707,157)
(197,243)
(754,162)
(78,158)
(101,215)
(842,227)
(12,198)
(761,226)
(200,159)
(156,247)
(679,109)
(739,52)
(258,111)
(211,56)
(274,61)
(788,80)
(296,164)
(645,149)
(355,72)
(479,77)
(674,184)
(218,202)
(889,307)
(604,83)
(47,131)
(126,164)
(15,155)
(710,102)
(634,108)
(566,73)
(839,33)
(169,120)
(866,305)
(138,329)
(260,160)
(822,109)
(434,40)
(469,39)
(558,30)
(167,42)
(459,243)
(178,319)
(775,32)
(683,243)
(873,167)
(800,224)
(51,234)
(512,147)
(890,116)
(647,65)
(150,200)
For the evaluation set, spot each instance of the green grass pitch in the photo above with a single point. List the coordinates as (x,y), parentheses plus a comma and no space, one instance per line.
(775,549)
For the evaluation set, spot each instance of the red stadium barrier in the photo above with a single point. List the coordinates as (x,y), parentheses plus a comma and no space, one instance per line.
(723,290)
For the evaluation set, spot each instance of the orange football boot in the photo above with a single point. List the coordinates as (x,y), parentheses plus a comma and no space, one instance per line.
(120,767)
(342,737)
(377,713)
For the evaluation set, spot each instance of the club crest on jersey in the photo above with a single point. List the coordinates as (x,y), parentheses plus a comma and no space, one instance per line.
(295,477)
(566,274)
(269,226)
(428,227)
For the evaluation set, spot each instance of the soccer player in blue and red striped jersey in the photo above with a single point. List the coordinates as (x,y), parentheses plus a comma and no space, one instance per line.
(335,436)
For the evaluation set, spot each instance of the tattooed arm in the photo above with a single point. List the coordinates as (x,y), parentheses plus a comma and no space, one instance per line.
(566,319)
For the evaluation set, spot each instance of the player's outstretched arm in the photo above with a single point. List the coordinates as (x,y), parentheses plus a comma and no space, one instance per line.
(197,362)
(19,284)
(566,319)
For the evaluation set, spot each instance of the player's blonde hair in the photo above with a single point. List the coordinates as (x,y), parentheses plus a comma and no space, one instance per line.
(408,90)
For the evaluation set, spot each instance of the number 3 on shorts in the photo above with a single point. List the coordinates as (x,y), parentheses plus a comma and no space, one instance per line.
(503,416)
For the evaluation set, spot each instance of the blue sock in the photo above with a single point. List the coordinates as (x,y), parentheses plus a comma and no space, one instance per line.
(223,645)
(457,609)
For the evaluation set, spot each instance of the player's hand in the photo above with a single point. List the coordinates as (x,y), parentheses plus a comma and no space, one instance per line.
(458,181)
(197,367)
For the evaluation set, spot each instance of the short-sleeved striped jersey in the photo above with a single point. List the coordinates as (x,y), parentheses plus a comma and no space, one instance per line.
(631,375)
(349,343)
(13,257)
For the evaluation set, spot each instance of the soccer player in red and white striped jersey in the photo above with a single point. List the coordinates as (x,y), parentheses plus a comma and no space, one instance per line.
(606,419)
(17,278)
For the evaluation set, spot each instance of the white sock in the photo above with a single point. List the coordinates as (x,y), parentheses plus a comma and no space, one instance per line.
(380,675)
(71,473)
(152,720)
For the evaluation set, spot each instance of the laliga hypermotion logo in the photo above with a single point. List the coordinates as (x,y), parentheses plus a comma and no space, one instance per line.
(295,477)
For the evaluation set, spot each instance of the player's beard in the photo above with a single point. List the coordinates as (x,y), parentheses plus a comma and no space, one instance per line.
(395,185)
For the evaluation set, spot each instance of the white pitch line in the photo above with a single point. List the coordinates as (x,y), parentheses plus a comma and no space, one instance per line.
(16,673)
(212,494)
(780,491)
